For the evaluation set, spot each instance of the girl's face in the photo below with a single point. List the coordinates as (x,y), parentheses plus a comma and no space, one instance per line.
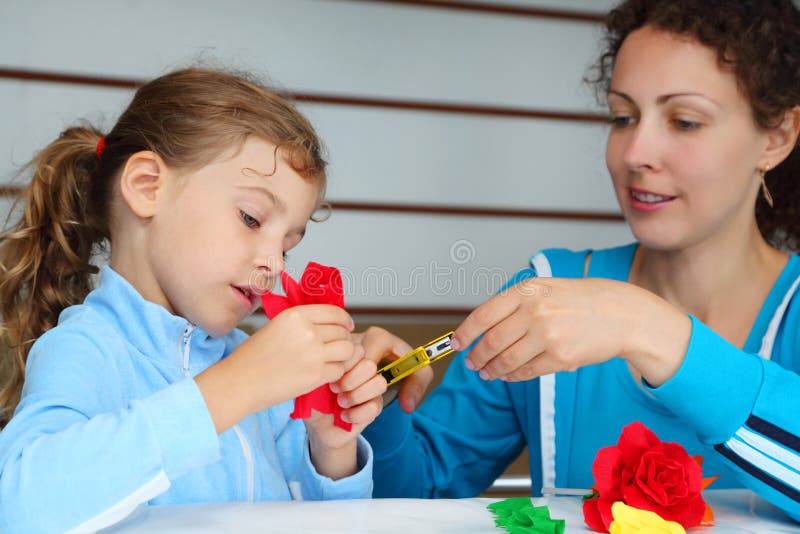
(221,242)
(683,149)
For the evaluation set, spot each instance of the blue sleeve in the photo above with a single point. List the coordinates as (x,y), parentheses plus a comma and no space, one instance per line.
(455,445)
(73,457)
(302,477)
(746,408)
(356,486)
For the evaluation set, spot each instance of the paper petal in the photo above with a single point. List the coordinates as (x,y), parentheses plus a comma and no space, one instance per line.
(708,516)
(323,400)
(321,284)
(292,290)
(274,304)
(630,520)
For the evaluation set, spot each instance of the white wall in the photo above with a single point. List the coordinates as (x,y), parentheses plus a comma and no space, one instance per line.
(377,155)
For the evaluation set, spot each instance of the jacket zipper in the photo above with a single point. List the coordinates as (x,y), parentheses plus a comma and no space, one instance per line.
(246,452)
(248,459)
(187,334)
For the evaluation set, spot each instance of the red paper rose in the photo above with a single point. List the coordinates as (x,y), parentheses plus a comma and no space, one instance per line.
(648,474)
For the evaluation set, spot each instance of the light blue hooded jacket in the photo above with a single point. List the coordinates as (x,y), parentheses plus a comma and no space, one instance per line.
(111,419)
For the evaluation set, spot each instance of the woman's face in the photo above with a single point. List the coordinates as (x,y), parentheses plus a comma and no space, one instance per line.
(683,149)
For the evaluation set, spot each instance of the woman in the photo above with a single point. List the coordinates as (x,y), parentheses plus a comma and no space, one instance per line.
(693,329)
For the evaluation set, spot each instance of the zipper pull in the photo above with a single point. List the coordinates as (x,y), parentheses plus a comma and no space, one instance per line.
(186,345)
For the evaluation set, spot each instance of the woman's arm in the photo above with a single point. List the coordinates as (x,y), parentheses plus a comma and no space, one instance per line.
(746,408)
(455,445)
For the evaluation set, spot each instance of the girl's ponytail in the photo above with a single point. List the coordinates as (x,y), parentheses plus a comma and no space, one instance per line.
(45,257)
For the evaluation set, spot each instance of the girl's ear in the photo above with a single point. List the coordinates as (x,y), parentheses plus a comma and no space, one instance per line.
(142,178)
(782,139)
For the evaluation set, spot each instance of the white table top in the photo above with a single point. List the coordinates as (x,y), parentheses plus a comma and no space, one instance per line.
(736,511)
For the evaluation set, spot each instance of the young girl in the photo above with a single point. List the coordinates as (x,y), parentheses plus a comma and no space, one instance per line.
(702,313)
(142,390)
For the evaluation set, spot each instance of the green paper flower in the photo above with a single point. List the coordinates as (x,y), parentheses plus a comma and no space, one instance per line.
(517,515)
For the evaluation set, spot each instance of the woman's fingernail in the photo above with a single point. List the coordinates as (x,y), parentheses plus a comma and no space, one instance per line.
(343,401)
(455,344)
(484,374)
(469,364)
(345,417)
(335,388)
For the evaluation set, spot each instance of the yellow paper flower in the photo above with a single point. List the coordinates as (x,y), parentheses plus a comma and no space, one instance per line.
(630,520)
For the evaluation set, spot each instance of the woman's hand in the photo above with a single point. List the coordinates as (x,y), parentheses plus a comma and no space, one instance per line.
(544,325)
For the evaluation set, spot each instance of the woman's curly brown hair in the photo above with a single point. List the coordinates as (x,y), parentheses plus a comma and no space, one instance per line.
(759,40)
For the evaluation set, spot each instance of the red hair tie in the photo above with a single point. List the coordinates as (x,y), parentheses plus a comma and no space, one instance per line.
(101,145)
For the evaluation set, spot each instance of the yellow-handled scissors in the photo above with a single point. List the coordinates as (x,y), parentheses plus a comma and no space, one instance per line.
(417,358)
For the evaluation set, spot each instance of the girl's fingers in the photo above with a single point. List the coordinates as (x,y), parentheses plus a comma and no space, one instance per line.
(378,343)
(332,372)
(371,389)
(324,314)
(363,371)
(338,351)
(358,356)
(364,413)
(330,332)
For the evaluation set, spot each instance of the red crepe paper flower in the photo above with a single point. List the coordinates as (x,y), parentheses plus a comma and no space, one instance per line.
(648,474)
(319,284)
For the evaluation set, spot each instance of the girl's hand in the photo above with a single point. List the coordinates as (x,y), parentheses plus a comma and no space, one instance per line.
(381,346)
(333,450)
(544,325)
(300,349)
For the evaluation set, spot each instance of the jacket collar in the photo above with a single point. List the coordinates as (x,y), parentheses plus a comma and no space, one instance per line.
(149,327)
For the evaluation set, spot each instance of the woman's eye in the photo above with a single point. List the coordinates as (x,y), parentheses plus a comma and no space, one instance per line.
(683,124)
(621,121)
(249,220)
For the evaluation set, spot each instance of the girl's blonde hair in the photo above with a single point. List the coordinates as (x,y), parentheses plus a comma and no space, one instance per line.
(189,118)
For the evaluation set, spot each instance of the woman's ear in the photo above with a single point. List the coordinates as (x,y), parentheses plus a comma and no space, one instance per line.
(141,181)
(782,139)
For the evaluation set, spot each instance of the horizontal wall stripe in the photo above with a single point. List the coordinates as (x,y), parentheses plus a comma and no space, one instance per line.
(10,191)
(409,311)
(418,209)
(475,211)
(497,9)
(332,99)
